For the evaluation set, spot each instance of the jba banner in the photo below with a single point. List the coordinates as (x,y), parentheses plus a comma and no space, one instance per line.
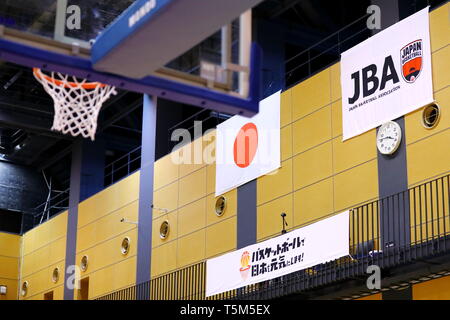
(302,248)
(387,76)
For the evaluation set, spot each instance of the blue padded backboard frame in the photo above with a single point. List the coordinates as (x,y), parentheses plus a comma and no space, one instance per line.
(151,33)
(29,56)
(121,30)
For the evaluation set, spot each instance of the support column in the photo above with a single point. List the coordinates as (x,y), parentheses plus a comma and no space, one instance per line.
(245,42)
(92,167)
(72,218)
(226,51)
(144,253)
(392,170)
(60,20)
(86,179)
(246,214)
(390,13)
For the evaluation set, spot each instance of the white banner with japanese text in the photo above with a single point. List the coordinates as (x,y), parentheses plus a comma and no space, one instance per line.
(299,249)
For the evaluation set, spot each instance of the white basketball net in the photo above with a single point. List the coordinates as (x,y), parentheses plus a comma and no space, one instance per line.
(77,104)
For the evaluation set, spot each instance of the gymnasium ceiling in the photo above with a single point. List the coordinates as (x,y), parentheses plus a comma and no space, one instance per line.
(26,111)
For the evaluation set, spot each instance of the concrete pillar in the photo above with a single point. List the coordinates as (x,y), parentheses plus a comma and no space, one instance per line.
(146,194)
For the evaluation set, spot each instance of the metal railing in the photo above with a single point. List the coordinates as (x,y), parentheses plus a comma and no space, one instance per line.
(184,284)
(325,52)
(328,51)
(208,119)
(123,167)
(53,206)
(116,170)
(389,232)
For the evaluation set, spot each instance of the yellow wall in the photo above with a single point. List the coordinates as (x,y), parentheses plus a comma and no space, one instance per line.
(376,296)
(186,191)
(9,264)
(320,175)
(43,250)
(100,234)
(427,150)
(428,154)
(437,289)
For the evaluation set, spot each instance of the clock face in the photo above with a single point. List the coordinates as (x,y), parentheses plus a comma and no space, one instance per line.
(389,137)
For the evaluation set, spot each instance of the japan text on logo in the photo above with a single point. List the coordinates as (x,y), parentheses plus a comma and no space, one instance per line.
(411,60)
(245,265)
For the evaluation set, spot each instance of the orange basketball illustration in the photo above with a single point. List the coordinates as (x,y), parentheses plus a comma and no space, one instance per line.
(245,265)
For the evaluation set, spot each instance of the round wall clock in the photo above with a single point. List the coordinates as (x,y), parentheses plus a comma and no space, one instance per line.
(389,137)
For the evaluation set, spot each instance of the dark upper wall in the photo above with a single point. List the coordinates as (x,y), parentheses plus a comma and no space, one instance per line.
(21,188)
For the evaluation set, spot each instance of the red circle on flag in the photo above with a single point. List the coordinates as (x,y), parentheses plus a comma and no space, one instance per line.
(246,145)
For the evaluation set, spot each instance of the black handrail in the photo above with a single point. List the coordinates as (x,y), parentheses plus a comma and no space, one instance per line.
(123,166)
(55,205)
(335,44)
(116,170)
(389,232)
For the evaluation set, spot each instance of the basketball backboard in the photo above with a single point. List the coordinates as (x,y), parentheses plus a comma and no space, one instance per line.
(137,45)
(65,21)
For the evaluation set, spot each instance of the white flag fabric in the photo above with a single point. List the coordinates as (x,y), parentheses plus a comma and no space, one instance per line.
(299,249)
(387,76)
(247,148)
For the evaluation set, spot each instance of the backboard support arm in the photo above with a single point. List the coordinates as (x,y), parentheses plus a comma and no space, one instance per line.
(81,67)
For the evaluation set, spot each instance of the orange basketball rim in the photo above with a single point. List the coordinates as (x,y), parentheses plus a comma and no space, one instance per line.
(67,84)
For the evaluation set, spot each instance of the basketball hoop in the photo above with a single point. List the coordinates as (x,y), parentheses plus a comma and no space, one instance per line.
(77,104)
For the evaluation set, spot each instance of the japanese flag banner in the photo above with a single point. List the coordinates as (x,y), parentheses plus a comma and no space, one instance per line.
(317,243)
(247,148)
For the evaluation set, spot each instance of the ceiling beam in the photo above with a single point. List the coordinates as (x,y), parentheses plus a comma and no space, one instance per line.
(57,157)
(119,115)
(34,124)
(30,161)
(286,5)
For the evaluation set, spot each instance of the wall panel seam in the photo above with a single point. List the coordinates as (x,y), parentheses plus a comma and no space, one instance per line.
(311,113)
(9,279)
(316,182)
(105,215)
(428,136)
(43,291)
(45,245)
(28,275)
(91,272)
(415,184)
(106,240)
(10,257)
(441,48)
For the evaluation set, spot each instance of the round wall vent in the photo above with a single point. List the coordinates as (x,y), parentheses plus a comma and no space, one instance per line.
(431,115)
(55,275)
(125,247)
(84,263)
(221,205)
(24,289)
(164,230)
